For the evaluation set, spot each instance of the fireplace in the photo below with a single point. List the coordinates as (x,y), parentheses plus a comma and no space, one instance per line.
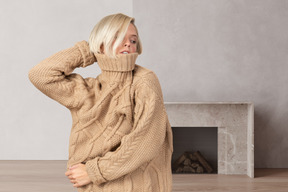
(189,140)
(235,131)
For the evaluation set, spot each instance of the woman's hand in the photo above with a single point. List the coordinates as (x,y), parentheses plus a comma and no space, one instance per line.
(78,175)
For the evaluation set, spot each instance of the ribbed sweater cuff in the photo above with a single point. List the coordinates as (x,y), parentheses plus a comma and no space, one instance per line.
(88,57)
(94,171)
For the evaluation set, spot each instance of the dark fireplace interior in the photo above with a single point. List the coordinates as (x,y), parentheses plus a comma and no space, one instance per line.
(195,150)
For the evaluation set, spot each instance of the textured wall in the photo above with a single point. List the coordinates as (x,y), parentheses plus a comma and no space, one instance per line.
(32,125)
(223,50)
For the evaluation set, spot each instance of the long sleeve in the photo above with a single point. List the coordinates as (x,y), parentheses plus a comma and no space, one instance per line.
(53,76)
(140,146)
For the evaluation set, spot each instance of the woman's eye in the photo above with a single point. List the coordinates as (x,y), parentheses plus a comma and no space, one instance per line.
(133,41)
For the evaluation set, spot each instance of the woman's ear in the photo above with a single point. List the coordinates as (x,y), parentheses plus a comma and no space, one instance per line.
(102,49)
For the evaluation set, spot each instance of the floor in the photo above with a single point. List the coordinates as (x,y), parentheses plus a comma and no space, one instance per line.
(44,176)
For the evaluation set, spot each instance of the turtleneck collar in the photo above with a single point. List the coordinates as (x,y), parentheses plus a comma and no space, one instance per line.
(118,69)
(121,63)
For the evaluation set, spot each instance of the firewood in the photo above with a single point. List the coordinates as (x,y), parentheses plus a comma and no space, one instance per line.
(188,169)
(195,165)
(192,157)
(179,161)
(193,170)
(179,170)
(187,162)
(200,169)
(203,162)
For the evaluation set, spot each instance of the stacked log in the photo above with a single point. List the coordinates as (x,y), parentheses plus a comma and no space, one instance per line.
(191,163)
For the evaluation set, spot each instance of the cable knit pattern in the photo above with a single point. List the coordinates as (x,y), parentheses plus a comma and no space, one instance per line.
(120,127)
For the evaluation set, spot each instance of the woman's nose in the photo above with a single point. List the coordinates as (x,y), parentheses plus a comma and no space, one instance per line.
(127,44)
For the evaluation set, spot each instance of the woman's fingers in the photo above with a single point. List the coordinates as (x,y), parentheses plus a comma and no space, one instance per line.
(74,166)
(73,181)
(76,185)
(67,173)
(77,175)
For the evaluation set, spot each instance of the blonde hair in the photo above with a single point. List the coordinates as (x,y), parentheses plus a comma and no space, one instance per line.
(109,33)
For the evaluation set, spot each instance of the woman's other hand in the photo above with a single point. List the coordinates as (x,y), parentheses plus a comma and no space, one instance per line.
(78,175)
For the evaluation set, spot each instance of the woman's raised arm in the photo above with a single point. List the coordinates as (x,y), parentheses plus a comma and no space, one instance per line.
(53,76)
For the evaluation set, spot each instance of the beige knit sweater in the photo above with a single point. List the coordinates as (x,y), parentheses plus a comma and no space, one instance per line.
(120,127)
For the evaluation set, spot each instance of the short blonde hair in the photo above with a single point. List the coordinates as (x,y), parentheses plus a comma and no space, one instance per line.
(109,33)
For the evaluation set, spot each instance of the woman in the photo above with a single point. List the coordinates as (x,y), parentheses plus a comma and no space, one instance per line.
(121,139)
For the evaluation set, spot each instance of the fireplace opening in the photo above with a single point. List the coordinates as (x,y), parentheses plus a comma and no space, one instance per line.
(195,150)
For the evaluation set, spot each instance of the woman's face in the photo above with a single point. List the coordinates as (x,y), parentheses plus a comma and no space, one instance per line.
(129,44)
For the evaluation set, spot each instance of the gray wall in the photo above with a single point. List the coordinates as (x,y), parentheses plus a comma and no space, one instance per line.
(216,50)
(223,50)
(32,126)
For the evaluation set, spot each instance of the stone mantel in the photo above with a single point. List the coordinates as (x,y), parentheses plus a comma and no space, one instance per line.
(235,122)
